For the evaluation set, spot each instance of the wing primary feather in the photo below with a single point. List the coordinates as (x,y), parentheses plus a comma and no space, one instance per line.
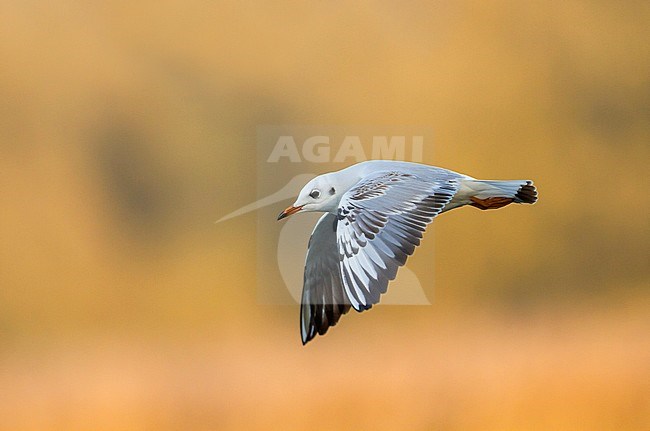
(353,255)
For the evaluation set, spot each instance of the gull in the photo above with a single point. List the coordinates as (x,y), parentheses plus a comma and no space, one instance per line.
(376,213)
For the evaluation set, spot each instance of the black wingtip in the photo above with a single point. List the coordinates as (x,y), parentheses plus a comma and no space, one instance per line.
(527,193)
(305,338)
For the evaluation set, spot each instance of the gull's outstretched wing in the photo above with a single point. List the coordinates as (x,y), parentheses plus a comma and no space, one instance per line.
(323,300)
(380,222)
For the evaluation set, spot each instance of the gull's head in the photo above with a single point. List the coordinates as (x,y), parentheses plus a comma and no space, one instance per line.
(320,194)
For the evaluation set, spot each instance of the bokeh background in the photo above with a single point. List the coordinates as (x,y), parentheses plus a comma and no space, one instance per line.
(128,128)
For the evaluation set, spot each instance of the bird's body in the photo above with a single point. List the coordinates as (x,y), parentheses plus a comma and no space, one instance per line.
(376,214)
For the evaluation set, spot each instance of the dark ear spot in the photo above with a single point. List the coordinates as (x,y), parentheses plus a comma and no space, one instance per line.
(332,191)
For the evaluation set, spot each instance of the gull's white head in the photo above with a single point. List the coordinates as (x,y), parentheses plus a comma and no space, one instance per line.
(322,193)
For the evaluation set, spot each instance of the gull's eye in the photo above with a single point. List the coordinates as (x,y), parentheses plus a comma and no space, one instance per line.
(315,194)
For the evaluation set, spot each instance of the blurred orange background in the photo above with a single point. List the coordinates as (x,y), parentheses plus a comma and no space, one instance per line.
(127,129)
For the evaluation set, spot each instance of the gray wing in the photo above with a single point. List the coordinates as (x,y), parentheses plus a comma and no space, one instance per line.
(381,221)
(323,300)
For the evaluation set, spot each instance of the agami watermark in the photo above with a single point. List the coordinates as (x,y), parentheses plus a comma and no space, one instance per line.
(287,158)
(319,149)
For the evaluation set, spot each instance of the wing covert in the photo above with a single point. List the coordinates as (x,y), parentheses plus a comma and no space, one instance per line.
(381,221)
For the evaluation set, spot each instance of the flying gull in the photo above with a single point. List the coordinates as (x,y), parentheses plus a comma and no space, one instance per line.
(375,215)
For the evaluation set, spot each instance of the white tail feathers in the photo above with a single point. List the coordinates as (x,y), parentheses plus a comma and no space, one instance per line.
(520,191)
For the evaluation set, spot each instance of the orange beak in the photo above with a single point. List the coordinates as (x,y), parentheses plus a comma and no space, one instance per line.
(289,211)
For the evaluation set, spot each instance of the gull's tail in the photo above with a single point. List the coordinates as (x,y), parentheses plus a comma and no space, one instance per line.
(491,194)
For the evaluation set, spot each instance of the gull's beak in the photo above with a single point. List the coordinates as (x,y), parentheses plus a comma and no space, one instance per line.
(289,211)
